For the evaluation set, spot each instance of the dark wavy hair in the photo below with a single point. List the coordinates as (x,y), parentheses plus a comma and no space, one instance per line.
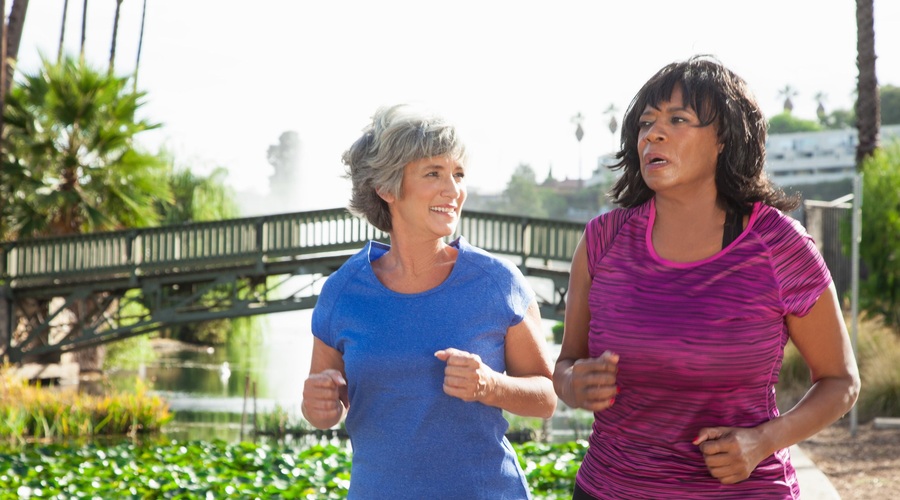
(721,98)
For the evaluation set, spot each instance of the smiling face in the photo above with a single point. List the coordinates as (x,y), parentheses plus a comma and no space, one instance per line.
(431,197)
(677,153)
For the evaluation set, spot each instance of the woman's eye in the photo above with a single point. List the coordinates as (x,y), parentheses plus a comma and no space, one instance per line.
(644,124)
(460,175)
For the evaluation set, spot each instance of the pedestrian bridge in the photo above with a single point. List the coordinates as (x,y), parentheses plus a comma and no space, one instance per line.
(65,293)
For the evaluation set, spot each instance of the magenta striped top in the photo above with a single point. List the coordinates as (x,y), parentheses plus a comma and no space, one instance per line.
(700,344)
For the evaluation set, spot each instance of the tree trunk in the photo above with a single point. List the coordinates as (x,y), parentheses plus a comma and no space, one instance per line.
(115,33)
(13,38)
(62,31)
(2,86)
(83,29)
(868,109)
(137,62)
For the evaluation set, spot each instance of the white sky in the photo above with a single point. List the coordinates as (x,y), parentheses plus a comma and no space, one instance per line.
(226,78)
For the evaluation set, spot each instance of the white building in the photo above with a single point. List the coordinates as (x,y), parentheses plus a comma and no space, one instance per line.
(796,159)
(812,157)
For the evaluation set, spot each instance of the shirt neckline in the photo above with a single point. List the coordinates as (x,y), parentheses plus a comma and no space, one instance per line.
(648,239)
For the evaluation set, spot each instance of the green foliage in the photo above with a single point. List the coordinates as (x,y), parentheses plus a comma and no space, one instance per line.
(558,329)
(550,468)
(890,104)
(176,470)
(198,198)
(70,153)
(130,353)
(839,119)
(522,193)
(879,246)
(215,469)
(28,412)
(785,123)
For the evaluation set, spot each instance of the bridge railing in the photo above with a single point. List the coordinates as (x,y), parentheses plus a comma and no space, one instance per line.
(205,245)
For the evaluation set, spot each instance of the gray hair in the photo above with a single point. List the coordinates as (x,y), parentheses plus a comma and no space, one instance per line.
(397,136)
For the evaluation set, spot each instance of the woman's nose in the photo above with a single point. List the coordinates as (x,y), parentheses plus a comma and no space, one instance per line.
(452,188)
(655,134)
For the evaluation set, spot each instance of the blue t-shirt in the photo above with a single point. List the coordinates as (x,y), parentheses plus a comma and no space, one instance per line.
(409,439)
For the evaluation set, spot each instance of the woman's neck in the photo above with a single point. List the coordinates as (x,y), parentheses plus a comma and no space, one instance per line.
(415,266)
(687,230)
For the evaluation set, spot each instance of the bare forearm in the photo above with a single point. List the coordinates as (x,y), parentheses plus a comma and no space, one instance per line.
(530,396)
(562,382)
(827,400)
(323,420)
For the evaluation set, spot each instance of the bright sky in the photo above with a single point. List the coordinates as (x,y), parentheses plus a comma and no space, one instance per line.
(226,78)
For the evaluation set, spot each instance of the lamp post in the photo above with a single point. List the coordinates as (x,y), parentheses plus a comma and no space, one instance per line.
(579,134)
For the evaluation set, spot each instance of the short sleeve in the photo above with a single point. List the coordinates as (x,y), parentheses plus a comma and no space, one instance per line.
(520,297)
(321,316)
(600,233)
(800,270)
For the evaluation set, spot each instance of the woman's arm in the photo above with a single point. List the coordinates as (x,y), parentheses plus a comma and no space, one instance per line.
(821,337)
(325,401)
(525,389)
(579,380)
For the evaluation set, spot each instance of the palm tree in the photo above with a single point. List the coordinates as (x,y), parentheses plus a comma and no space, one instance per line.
(70,145)
(868,109)
(820,98)
(83,29)
(73,129)
(13,30)
(10,36)
(137,63)
(115,33)
(62,31)
(787,93)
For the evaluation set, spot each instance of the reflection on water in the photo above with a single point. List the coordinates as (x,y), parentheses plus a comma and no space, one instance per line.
(205,388)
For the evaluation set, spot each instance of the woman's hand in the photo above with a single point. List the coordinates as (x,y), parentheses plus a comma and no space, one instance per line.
(731,453)
(324,394)
(592,382)
(465,376)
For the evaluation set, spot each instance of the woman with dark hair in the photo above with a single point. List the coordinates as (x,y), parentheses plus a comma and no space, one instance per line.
(682,300)
(423,343)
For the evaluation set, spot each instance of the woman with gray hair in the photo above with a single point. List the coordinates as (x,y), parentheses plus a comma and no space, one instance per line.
(422,344)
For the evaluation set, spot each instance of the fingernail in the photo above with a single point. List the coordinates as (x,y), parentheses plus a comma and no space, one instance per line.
(612,401)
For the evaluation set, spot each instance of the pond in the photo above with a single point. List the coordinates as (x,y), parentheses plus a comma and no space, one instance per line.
(205,387)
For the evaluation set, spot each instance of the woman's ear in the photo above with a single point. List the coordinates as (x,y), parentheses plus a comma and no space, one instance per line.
(385,195)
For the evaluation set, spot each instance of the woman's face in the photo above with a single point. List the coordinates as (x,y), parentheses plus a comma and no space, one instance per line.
(431,198)
(677,154)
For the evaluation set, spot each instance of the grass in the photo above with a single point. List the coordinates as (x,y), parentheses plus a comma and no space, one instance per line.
(878,357)
(29,413)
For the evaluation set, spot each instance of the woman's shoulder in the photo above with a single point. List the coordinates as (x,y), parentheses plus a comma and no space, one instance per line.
(478,263)
(606,225)
(770,222)
(355,264)
(481,257)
